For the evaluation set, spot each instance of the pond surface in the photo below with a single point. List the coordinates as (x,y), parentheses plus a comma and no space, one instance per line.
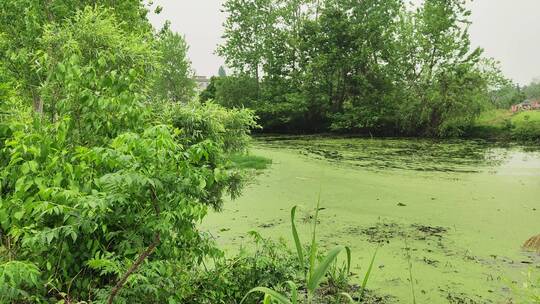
(463,207)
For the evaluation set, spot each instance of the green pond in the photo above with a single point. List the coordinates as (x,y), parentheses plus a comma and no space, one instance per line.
(463,207)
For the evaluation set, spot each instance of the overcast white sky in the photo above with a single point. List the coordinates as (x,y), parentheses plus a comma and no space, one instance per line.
(508,30)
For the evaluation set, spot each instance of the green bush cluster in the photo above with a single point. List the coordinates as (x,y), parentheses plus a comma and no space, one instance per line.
(103,183)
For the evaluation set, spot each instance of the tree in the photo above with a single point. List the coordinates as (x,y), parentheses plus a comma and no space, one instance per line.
(174,76)
(248,25)
(447,80)
(532,90)
(507,95)
(369,66)
(96,73)
(221,72)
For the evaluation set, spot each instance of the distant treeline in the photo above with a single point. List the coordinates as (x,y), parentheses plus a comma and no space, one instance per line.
(510,94)
(372,66)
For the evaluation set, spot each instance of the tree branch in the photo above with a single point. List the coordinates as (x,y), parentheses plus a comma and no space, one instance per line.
(134,268)
(143,255)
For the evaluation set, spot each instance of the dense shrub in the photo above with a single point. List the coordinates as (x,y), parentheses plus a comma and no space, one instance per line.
(228,280)
(101,191)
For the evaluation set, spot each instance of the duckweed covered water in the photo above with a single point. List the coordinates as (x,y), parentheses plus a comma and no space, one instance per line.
(461,208)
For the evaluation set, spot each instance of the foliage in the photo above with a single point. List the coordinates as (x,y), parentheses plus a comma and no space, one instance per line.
(532,90)
(23,23)
(110,204)
(174,76)
(229,128)
(95,73)
(268,263)
(16,278)
(506,96)
(313,274)
(509,94)
(503,124)
(247,161)
(101,190)
(231,91)
(358,66)
(526,126)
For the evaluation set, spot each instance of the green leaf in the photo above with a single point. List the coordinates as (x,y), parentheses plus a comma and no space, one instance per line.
(368,274)
(294,291)
(299,250)
(320,271)
(267,291)
(19,215)
(347,296)
(267,299)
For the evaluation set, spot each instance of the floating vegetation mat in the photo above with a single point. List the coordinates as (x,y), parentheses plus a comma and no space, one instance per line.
(384,232)
(466,156)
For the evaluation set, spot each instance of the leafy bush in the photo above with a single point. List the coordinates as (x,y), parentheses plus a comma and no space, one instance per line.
(230,128)
(232,91)
(93,210)
(503,124)
(526,125)
(16,278)
(101,193)
(314,274)
(268,264)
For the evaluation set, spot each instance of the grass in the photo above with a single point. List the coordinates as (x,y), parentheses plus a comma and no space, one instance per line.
(503,124)
(247,161)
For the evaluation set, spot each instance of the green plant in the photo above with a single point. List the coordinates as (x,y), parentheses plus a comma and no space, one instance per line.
(364,281)
(173,76)
(528,291)
(248,161)
(225,279)
(100,195)
(315,272)
(17,280)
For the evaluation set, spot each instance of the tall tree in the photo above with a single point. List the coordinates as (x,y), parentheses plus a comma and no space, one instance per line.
(174,76)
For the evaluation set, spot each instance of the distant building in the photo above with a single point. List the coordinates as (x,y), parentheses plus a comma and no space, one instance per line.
(527,105)
(202,82)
